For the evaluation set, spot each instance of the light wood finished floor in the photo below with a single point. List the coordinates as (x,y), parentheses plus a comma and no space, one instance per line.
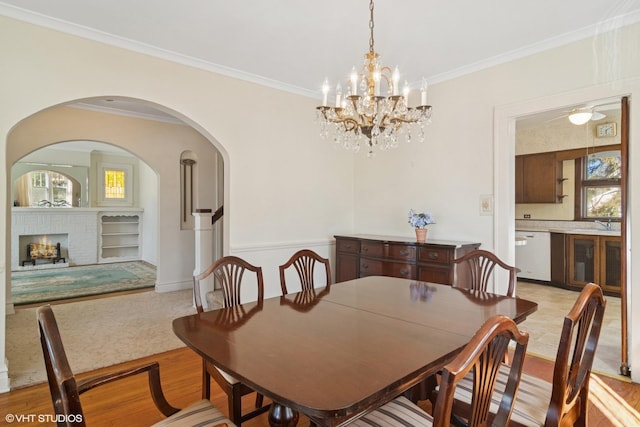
(128,403)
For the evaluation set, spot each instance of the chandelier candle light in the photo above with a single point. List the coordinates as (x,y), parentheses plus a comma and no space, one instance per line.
(364,116)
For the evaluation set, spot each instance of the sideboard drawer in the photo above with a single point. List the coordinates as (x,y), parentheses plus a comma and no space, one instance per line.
(434,255)
(435,274)
(348,245)
(372,249)
(401,252)
(369,267)
(388,251)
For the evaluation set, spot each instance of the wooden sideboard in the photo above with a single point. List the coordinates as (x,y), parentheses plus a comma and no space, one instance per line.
(370,255)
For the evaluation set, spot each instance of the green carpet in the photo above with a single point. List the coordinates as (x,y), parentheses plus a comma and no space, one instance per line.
(37,286)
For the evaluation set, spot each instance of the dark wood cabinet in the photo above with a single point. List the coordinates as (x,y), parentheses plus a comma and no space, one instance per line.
(558,259)
(578,259)
(370,255)
(347,264)
(539,178)
(594,259)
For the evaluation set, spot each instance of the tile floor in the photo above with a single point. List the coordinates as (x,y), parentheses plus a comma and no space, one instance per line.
(544,325)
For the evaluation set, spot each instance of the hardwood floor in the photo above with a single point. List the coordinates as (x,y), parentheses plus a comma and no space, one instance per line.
(128,402)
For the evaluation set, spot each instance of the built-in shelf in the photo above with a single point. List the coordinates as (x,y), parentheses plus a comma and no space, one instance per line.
(119,238)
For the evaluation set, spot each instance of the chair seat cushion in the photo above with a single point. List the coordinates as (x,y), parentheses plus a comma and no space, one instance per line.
(398,412)
(228,378)
(201,413)
(532,400)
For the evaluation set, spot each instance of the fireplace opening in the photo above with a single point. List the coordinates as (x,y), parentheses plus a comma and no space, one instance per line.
(43,250)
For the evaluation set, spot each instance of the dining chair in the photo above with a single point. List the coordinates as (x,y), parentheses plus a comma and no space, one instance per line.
(66,389)
(481,264)
(304,261)
(228,273)
(482,358)
(564,401)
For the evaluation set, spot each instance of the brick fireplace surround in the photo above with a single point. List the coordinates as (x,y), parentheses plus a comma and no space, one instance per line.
(80,225)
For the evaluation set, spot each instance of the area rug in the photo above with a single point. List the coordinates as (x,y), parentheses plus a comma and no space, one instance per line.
(36,286)
(97,333)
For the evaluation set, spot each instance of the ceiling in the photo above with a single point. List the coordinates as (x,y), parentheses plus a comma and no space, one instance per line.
(293,44)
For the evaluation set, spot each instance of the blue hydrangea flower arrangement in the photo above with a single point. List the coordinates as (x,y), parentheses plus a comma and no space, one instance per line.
(420,219)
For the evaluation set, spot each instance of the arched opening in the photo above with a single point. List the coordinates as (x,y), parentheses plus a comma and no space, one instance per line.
(156,143)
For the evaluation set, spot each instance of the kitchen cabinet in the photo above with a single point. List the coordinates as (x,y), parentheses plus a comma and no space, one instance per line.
(593,258)
(368,255)
(539,178)
(558,259)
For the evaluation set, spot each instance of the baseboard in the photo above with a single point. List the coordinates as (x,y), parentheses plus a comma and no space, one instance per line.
(174,286)
(4,377)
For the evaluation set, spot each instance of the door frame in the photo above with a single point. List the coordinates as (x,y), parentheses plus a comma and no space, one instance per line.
(504,183)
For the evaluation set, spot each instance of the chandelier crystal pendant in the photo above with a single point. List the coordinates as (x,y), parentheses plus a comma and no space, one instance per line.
(364,116)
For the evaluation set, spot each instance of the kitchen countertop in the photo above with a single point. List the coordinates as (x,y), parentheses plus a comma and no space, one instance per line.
(585,231)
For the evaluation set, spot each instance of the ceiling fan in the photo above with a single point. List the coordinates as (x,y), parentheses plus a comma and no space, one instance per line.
(581,115)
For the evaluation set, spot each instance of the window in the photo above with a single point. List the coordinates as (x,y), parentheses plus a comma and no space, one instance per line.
(60,188)
(598,193)
(39,179)
(114,184)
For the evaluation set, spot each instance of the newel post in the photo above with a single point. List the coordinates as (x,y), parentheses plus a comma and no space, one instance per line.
(204,249)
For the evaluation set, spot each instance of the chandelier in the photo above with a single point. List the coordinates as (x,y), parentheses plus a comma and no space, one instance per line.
(364,116)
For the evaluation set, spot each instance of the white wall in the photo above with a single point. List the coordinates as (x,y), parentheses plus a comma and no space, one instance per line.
(149,201)
(284,187)
(470,148)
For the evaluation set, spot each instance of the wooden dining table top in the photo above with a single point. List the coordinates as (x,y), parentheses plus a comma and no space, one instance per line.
(333,353)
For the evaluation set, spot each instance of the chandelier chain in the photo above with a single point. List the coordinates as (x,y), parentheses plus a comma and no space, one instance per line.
(371,25)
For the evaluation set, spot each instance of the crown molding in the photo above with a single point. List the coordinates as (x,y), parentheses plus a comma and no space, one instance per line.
(146,49)
(605,26)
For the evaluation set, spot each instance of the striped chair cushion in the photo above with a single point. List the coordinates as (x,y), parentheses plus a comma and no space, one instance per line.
(202,413)
(398,412)
(532,400)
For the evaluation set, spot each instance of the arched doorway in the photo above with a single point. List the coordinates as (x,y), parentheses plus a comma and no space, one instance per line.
(58,199)
(158,143)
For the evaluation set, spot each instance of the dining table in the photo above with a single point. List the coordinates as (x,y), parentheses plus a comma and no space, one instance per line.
(335,353)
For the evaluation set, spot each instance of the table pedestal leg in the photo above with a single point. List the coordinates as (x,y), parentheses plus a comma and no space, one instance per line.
(282,416)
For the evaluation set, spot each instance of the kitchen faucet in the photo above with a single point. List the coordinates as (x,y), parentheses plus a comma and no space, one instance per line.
(606,225)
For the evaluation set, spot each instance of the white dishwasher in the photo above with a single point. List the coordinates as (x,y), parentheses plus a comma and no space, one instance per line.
(534,258)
